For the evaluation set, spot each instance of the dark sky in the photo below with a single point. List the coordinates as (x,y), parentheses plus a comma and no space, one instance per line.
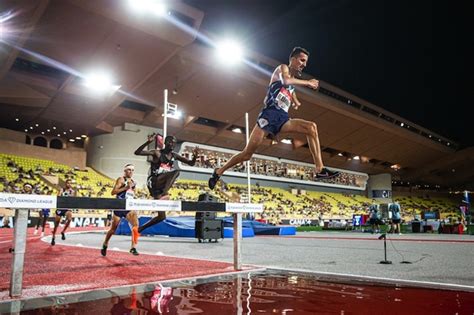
(408,57)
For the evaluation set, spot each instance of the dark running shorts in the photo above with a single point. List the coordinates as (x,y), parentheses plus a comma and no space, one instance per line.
(396,221)
(62,212)
(158,185)
(271,120)
(121,213)
(375,221)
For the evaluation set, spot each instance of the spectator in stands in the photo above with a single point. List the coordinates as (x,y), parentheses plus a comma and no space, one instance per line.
(67,191)
(395,210)
(274,117)
(162,170)
(27,189)
(5,222)
(374,217)
(124,189)
(11,188)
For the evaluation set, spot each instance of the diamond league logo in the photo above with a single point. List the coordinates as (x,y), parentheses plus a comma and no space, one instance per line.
(11,200)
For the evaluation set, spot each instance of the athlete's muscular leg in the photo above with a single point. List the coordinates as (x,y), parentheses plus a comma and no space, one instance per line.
(255,139)
(111,231)
(68,220)
(309,129)
(133,220)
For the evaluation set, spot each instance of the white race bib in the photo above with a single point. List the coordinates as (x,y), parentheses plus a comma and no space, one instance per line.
(283,99)
(129,194)
(164,168)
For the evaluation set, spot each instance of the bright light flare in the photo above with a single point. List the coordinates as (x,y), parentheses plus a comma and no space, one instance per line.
(174,115)
(5,31)
(100,82)
(148,6)
(229,52)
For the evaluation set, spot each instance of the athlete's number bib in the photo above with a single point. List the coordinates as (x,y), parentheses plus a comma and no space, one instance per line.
(164,168)
(283,99)
(129,194)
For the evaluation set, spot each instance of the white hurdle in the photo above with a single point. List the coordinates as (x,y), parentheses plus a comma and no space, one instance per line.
(23,203)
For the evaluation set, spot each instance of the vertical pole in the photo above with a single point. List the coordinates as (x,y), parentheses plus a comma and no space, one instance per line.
(237,241)
(19,246)
(249,191)
(238,216)
(385,247)
(165,112)
(249,188)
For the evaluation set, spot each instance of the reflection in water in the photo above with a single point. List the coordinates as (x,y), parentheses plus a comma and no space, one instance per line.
(279,294)
(161,298)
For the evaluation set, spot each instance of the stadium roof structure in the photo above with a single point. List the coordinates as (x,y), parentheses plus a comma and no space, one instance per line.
(47,47)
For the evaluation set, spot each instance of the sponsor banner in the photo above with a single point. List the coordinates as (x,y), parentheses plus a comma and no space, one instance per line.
(243,207)
(153,205)
(23,201)
(298,222)
(75,222)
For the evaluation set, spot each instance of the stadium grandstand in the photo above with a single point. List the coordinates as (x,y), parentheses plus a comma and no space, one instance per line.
(54,128)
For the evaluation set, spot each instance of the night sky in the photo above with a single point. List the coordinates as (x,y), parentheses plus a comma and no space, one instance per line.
(408,57)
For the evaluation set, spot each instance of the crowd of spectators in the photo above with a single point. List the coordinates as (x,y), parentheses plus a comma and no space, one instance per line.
(278,205)
(80,179)
(214,159)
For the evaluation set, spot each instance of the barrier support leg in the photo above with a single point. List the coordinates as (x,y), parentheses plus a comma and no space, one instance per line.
(237,241)
(19,247)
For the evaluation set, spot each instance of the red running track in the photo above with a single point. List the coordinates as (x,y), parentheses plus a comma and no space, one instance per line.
(51,270)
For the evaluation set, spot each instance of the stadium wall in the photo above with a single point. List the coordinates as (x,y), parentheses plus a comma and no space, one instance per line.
(379,187)
(108,153)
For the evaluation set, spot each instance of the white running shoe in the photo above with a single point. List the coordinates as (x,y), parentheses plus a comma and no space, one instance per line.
(42,234)
(35,232)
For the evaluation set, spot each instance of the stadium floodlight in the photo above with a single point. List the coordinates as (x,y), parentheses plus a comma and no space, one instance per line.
(229,52)
(340,154)
(356,157)
(140,6)
(156,7)
(100,82)
(4,17)
(175,115)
